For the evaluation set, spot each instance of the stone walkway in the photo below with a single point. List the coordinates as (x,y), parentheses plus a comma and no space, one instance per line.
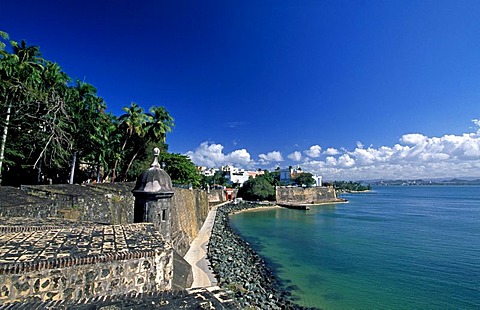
(197,254)
(39,242)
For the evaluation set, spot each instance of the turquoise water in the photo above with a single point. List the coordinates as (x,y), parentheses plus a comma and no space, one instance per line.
(392,248)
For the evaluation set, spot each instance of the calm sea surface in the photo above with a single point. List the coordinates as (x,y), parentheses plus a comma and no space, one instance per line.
(392,248)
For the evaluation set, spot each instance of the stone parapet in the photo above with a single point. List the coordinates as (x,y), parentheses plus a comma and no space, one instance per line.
(15,202)
(188,214)
(307,195)
(201,298)
(216,196)
(45,263)
(19,224)
(101,203)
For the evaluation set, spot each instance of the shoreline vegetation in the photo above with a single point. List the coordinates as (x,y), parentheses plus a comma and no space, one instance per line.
(239,270)
(350,187)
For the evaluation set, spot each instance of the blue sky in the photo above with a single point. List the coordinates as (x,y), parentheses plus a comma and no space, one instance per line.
(347,89)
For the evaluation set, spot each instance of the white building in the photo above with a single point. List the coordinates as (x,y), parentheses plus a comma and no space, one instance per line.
(237,175)
(208,172)
(240,176)
(318,180)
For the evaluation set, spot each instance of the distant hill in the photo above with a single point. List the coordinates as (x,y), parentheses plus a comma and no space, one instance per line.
(453,181)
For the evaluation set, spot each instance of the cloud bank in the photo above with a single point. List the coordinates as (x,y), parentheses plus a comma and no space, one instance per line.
(211,155)
(414,156)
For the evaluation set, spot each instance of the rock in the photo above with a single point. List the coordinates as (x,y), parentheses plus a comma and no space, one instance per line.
(239,268)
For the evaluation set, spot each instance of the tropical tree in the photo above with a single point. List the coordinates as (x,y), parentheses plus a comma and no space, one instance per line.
(104,141)
(344,186)
(49,125)
(132,125)
(217,179)
(304,179)
(272,177)
(52,117)
(20,73)
(158,124)
(89,127)
(180,169)
(258,188)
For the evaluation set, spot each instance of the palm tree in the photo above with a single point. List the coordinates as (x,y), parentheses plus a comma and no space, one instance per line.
(52,116)
(20,72)
(88,127)
(158,124)
(131,123)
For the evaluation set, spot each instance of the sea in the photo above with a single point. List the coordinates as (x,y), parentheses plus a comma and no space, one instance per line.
(398,247)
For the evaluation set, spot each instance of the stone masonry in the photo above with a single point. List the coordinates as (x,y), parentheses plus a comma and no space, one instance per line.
(62,260)
(101,203)
(309,195)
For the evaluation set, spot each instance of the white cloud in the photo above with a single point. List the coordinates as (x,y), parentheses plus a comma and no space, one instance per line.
(274,156)
(346,161)
(414,156)
(413,139)
(239,157)
(477,123)
(331,161)
(211,155)
(314,151)
(295,156)
(331,151)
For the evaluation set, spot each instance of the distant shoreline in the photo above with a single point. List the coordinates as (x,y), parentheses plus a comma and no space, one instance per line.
(353,192)
(256,209)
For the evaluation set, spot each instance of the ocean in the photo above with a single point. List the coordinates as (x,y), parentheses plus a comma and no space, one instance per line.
(399,247)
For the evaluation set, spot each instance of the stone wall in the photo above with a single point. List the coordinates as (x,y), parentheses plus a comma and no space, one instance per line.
(189,212)
(306,195)
(142,274)
(216,196)
(73,261)
(105,203)
(16,203)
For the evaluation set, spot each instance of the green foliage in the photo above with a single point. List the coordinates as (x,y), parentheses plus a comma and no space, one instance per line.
(350,186)
(48,123)
(180,169)
(3,36)
(304,179)
(32,111)
(218,179)
(272,177)
(138,130)
(259,188)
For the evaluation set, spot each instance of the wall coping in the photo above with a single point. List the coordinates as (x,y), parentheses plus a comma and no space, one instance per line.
(28,266)
(50,246)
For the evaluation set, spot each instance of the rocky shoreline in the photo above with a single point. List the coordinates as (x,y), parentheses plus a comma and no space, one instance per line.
(239,270)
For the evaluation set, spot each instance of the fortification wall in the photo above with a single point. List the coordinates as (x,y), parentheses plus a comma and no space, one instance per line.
(70,261)
(216,196)
(16,203)
(137,274)
(189,212)
(104,203)
(305,195)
